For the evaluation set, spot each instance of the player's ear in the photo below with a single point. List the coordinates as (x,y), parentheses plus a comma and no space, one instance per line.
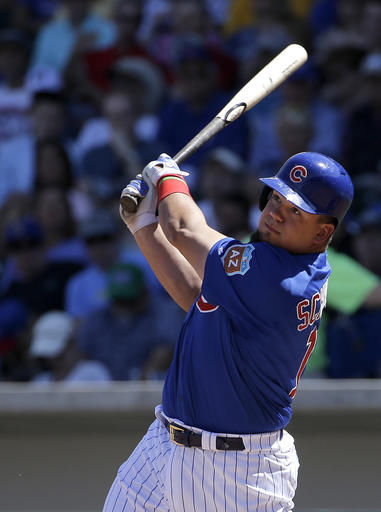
(325,232)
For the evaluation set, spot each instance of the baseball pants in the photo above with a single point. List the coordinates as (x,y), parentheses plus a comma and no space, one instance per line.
(165,477)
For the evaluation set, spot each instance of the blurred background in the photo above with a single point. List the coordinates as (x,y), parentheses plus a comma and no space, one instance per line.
(90,92)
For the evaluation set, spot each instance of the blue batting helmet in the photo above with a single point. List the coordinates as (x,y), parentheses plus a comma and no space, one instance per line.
(314,183)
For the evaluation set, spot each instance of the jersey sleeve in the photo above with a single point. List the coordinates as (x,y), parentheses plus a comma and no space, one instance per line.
(236,275)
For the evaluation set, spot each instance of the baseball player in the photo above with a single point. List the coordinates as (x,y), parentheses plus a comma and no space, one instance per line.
(219,441)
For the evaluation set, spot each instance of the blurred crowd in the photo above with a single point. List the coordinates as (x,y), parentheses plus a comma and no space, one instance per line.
(91,91)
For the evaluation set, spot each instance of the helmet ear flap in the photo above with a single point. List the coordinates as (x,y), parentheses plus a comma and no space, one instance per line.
(264,197)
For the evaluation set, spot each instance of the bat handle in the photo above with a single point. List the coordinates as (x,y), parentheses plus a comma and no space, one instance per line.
(130,203)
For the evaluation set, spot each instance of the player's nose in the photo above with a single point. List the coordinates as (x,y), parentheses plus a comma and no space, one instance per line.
(276,214)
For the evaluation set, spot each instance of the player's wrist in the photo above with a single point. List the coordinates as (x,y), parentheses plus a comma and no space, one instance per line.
(171,184)
(164,166)
(141,221)
(135,222)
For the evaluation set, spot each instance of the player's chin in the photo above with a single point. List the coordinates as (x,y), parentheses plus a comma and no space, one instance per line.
(271,237)
(276,239)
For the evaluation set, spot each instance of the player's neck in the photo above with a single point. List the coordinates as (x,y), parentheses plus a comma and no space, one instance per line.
(315,249)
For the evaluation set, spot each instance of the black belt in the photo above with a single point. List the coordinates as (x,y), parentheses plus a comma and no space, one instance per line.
(185,437)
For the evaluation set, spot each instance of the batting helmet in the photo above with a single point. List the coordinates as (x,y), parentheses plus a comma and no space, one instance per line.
(314,183)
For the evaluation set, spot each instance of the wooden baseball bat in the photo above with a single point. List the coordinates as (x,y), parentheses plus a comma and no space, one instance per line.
(260,86)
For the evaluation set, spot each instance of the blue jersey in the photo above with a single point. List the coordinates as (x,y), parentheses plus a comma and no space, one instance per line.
(245,342)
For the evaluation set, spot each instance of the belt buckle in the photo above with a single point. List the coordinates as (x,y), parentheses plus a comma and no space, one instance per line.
(172,430)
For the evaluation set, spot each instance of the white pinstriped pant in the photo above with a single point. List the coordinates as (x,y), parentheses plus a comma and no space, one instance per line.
(164,477)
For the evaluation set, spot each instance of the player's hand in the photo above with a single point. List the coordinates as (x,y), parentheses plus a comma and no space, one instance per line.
(146,195)
(163,166)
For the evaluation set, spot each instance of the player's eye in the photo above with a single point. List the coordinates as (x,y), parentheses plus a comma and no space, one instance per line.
(296,211)
(275,197)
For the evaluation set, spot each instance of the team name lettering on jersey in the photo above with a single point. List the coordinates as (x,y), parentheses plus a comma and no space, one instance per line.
(308,311)
(237,259)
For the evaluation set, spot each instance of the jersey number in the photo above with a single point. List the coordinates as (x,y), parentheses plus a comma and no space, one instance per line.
(311,342)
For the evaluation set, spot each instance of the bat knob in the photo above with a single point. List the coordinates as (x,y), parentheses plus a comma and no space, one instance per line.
(129,203)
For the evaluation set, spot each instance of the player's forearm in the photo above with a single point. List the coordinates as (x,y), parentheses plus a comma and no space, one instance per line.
(185,227)
(180,217)
(172,270)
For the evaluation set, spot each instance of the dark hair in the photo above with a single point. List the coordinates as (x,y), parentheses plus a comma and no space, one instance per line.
(63,155)
(69,228)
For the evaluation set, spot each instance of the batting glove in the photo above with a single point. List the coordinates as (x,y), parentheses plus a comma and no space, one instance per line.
(163,166)
(146,212)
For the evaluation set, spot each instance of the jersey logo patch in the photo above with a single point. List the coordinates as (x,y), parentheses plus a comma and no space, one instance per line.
(298,173)
(203,305)
(237,259)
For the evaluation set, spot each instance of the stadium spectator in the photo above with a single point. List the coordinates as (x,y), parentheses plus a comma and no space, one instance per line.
(338,55)
(265,17)
(56,356)
(361,151)
(133,336)
(54,169)
(91,72)
(293,132)
(86,291)
(54,214)
(141,81)
(127,17)
(222,173)
(17,156)
(38,284)
(187,17)
(121,130)
(15,97)
(17,206)
(233,215)
(102,177)
(79,29)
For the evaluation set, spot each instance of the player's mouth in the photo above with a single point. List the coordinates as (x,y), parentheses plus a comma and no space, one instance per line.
(271,228)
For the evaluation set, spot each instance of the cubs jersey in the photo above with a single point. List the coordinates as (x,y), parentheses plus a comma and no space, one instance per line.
(246,340)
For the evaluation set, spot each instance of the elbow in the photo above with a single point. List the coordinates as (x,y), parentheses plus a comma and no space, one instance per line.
(176,232)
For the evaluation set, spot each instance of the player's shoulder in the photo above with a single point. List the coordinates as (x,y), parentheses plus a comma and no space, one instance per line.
(238,258)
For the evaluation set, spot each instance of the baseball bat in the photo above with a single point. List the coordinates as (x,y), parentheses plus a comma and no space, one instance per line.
(260,86)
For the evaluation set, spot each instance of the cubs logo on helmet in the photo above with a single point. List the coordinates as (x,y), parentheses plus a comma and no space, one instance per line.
(298,173)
